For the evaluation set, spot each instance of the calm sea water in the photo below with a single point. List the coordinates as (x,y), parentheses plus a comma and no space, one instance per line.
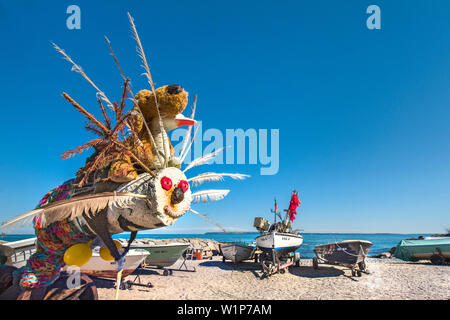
(382,242)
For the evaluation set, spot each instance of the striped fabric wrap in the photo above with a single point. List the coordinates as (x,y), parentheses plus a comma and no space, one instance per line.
(44,267)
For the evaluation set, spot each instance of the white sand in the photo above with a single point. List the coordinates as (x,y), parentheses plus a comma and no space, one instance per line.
(389,279)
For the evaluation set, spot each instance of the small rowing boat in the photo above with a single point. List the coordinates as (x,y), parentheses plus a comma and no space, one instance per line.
(237,251)
(348,253)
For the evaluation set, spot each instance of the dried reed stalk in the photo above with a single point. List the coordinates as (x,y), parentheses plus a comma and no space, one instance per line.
(113,54)
(78,69)
(85,113)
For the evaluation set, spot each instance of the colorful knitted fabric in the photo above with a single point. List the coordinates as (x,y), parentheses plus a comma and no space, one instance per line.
(44,267)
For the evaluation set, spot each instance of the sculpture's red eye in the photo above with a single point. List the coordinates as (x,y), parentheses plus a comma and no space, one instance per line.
(166,183)
(183,185)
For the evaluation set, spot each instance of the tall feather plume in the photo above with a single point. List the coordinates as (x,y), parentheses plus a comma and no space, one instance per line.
(212,176)
(207,219)
(209,195)
(147,73)
(203,159)
(188,131)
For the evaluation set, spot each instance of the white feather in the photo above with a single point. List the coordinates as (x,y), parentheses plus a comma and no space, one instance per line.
(189,130)
(212,176)
(183,156)
(203,159)
(20,220)
(211,195)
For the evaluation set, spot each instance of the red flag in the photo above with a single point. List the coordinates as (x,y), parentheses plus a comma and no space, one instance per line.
(295,202)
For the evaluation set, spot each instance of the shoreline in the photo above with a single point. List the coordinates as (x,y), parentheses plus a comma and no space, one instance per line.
(216,280)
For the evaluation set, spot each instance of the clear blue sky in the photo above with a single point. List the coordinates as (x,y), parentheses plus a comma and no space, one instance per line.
(363,114)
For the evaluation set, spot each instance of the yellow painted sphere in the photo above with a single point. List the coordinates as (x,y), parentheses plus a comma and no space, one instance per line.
(78,254)
(106,254)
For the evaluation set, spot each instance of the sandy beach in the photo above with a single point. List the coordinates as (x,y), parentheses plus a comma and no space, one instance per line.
(213,279)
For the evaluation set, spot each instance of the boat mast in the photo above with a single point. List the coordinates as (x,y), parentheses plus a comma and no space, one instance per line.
(275,211)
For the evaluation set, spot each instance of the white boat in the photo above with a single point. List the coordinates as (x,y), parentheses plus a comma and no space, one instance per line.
(279,242)
(16,253)
(98,267)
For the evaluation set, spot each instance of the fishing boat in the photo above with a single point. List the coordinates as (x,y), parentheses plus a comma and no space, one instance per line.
(237,251)
(349,253)
(98,267)
(16,253)
(278,242)
(435,250)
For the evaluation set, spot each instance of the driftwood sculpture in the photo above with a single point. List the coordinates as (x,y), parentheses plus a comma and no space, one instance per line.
(131,182)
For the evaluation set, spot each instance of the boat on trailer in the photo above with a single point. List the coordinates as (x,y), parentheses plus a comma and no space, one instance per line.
(98,267)
(237,251)
(278,242)
(163,256)
(348,253)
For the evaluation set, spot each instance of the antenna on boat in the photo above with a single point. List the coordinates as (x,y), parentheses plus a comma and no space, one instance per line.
(275,211)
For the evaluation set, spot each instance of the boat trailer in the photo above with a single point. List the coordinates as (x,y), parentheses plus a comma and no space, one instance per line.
(169,271)
(356,269)
(271,264)
(127,284)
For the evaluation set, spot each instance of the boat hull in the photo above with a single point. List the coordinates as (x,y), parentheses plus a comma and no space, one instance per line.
(17,253)
(349,252)
(237,252)
(281,243)
(163,255)
(98,267)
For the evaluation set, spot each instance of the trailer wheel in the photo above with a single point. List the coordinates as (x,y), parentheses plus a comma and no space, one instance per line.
(282,271)
(126,285)
(353,272)
(358,273)
(362,265)
(315,263)
(166,273)
(437,259)
(297,259)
